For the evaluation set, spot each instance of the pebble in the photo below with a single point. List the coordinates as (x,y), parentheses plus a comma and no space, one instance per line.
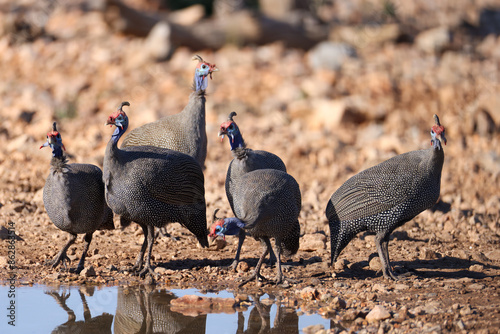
(375,264)
(378,313)
(88,272)
(313,329)
(242,267)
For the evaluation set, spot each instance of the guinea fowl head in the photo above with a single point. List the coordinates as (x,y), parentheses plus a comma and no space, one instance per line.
(120,120)
(224,226)
(230,129)
(437,130)
(202,72)
(54,140)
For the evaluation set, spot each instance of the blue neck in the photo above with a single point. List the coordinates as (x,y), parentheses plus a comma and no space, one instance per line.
(233,226)
(115,137)
(236,141)
(57,152)
(200,82)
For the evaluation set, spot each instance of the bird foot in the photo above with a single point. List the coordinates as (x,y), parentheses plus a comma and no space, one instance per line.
(60,258)
(255,277)
(232,266)
(390,275)
(146,270)
(286,279)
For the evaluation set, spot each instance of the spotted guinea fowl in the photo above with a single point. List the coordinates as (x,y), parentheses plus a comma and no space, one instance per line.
(184,132)
(153,186)
(384,197)
(267,204)
(73,196)
(245,160)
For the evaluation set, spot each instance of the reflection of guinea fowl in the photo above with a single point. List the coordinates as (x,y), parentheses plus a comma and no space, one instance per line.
(100,324)
(259,320)
(141,310)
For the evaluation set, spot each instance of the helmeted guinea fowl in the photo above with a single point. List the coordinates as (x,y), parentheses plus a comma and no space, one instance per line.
(267,204)
(153,186)
(384,197)
(245,160)
(73,196)
(184,132)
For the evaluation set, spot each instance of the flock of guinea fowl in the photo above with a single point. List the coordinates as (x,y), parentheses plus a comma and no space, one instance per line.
(156,177)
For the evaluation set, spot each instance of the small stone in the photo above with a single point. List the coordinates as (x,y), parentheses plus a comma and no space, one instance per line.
(350,315)
(432,308)
(88,272)
(429,254)
(313,329)
(242,267)
(378,313)
(379,287)
(309,293)
(375,264)
(312,242)
(341,264)
(433,40)
(338,303)
(3,261)
(402,314)
(53,276)
(494,255)
(467,310)
(476,267)
(399,286)
(112,268)
(220,243)
(160,270)
(460,324)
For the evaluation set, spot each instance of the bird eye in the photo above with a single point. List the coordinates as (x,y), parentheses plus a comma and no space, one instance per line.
(204,66)
(231,127)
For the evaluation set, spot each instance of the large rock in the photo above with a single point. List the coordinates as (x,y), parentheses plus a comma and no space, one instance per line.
(433,40)
(330,55)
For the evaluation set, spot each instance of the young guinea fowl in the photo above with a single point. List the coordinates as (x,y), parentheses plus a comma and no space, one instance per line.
(184,132)
(153,186)
(267,204)
(73,196)
(386,196)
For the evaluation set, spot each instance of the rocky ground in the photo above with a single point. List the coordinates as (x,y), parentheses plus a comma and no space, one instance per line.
(328,117)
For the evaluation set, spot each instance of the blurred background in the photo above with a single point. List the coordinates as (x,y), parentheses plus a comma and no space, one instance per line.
(331,86)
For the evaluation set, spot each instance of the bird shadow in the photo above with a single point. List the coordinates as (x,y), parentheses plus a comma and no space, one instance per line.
(445,267)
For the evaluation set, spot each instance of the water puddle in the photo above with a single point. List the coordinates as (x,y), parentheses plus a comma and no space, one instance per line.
(45,309)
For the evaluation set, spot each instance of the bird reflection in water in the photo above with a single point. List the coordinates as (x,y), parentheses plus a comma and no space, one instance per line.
(146,310)
(99,324)
(259,320)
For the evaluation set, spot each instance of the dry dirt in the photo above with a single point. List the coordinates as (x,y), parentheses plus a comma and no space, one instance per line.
(326,125)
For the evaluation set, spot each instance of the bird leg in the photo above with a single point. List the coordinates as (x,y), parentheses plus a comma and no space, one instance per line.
(61,301)
(241,239)
(256,275)
(61,256)
(81,264)
(382,241)
(279,272)
(163,231)
(150,236)
(138,262)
